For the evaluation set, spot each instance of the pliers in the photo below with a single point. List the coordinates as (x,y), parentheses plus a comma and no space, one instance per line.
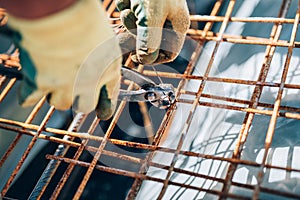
(160,95)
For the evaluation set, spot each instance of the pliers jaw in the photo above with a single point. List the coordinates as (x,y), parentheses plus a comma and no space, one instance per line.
(159,95)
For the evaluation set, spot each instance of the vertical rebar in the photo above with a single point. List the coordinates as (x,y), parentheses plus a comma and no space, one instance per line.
(27,151)
(243,134)
(273,120)
(52,166)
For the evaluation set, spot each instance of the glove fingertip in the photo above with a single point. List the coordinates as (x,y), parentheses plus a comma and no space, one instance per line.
(129,20)
(144,57)
(122,4)
(105,108)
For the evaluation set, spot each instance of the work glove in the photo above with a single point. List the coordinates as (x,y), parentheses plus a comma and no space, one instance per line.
(157,27)
(74,56)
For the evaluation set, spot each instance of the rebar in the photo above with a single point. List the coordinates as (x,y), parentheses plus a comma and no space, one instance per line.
(82,134)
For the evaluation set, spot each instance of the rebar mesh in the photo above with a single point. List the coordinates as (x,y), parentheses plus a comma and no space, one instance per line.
(83,133)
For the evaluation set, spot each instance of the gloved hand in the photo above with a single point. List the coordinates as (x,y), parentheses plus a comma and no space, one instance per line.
(57,45)
(158,26)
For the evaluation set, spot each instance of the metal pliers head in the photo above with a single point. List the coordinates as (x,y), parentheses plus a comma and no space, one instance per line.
(159,95)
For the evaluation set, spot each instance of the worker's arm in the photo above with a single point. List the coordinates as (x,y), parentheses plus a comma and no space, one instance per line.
(58,36)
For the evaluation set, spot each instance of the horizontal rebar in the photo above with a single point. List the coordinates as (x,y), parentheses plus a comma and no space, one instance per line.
(242,19)
(197,34)
(181,171)
(140,176)
(241,101)
(145,147)
(219,80)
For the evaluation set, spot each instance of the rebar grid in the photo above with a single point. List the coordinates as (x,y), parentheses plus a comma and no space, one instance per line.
(251,108)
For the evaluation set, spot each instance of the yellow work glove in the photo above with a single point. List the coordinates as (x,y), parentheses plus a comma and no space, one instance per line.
(60,47)
(159,27)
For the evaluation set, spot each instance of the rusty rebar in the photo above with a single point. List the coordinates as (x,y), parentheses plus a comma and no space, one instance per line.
(71,166)
(250,107)
(27,151)
(19,135)
(192,111)
(243,134)
(273,120)
(177,170)
(205,18)
(52,166)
